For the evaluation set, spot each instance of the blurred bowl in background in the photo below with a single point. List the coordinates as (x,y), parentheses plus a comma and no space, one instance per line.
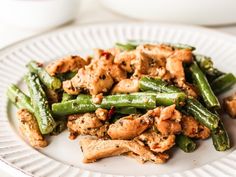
(37,14)
(200,12)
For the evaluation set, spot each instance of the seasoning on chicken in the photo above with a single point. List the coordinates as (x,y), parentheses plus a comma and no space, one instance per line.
(95,80)
(156,51)
(94,149)
(97,77)
(167,120)
(70,63)
(230,105)
(126,60)
(157,142)
(194,129)
(102,114)
(97,99)
(29,128)
(129,127)
(86,124)
(104,59)
(126,86)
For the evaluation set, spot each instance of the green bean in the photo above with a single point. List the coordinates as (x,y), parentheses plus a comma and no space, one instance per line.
(49,81)
(166,99)
(60,127)
(83,103)
(204,87)
(193,107)
(220,138)
(173,45)
(185,143)
(206,65)
(72,107)
(181,46)
(67,97)
(201,114)
(40,104)
(126,110)
(83,98)
(124,100)
(20,99)
(126,47)
(147,84)
(223,83)
(66,76)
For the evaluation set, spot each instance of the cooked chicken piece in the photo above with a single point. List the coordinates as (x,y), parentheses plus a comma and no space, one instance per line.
(194,129)
(97,99)
(230,105)
(157,142)
(104,59)
(70,63)
(184,55)
(117,73)
(94,150)
(148,66)
(98,76)
(156,51)
(102,114)
(95,80)
(126,86)
(126,60)
(174,65)
(146,60)
(114,51)
(162,156)
(30,130)
(189,89)
(167,120)
(129,127)
(176,69)
(86,124)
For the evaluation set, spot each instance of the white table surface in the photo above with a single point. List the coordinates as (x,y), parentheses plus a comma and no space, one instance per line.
(89,11)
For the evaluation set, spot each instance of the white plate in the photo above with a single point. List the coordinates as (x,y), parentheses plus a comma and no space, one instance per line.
(63,157)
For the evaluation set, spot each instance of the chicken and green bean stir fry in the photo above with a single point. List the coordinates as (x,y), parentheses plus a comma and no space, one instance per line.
(138,100)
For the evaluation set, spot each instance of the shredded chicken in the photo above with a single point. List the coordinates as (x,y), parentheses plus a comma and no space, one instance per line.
(230,105)
(70,63)
(194,129)
(86,124)
(129,127)
(94,150)
(30,130)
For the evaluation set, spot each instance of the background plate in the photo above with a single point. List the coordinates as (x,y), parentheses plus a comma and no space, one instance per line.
(63,157)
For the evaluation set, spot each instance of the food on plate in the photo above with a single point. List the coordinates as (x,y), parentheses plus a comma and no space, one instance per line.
(94,149)
(30,129)
(230,105)
(138,99)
